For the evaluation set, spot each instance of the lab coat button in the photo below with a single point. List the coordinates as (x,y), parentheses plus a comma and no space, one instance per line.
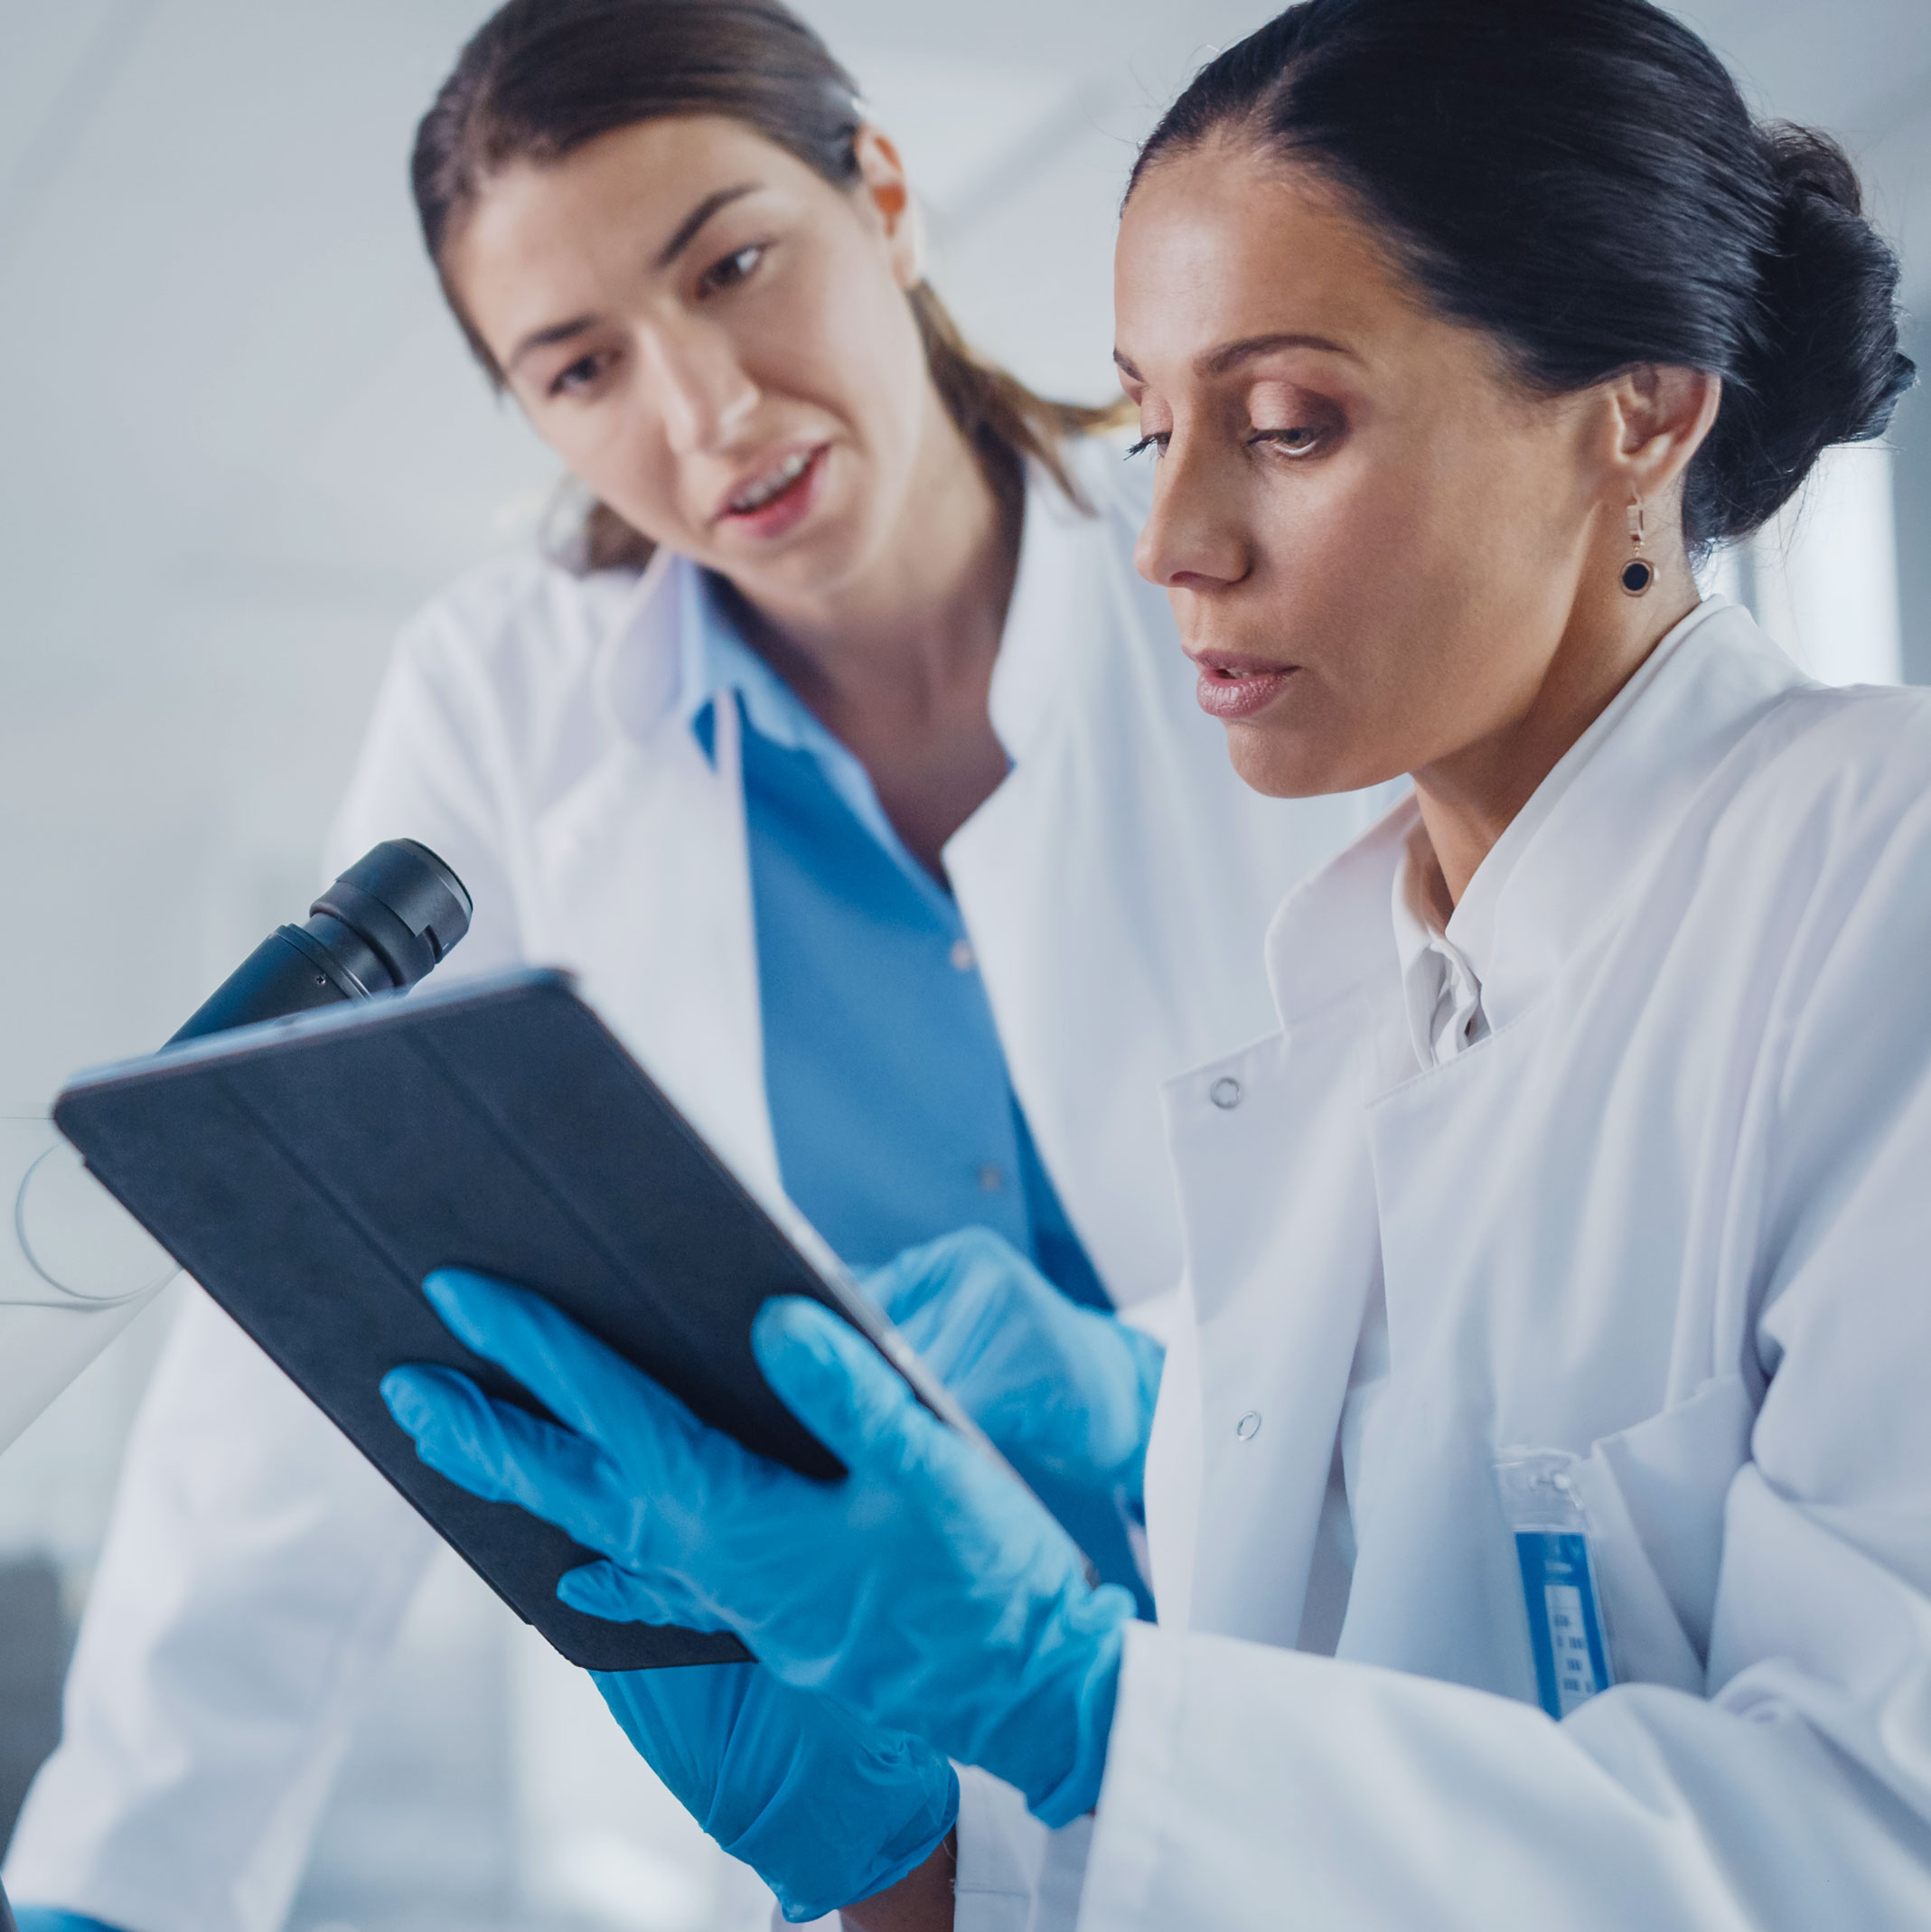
(990,1179)
(1249,1426)
(963,957)
(1226,1094)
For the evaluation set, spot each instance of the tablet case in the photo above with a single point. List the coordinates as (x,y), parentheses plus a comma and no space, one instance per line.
(310,1172)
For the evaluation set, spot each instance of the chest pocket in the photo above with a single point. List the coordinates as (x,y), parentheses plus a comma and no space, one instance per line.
(1654,1497)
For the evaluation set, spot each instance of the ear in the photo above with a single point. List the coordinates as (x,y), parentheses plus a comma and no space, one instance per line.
(882,182)
(1662,413)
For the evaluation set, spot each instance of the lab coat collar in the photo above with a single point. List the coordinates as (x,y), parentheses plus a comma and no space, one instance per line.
(1562,866)
(659,665)
(643,671)
(1063,566)
(665,661)
(1620,789)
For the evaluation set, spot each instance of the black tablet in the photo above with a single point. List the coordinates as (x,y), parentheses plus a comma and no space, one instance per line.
(309,1172)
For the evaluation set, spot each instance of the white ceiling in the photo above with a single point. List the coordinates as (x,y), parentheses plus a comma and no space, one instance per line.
(240,440)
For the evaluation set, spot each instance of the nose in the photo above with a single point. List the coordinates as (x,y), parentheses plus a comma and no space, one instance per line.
(699,385)
(1195,537)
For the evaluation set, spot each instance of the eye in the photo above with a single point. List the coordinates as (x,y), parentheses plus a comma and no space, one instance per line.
(578,377)
(1302,440)
(732,269)
(1157,443)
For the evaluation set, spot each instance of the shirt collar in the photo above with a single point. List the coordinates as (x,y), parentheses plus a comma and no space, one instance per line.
(1440,989)
(719,664)
(669,657)
(714,661)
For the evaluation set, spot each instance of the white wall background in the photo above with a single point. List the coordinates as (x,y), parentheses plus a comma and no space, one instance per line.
(240,442)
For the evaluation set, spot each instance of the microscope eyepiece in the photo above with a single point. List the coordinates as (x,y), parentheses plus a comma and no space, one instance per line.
(384,925)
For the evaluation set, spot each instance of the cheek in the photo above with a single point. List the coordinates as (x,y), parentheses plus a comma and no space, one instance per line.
(619,451)
(1412,564)
(1357,553)
(843,340)
(1391,583)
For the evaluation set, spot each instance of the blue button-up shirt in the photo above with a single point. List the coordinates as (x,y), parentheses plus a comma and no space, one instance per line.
(893,1112)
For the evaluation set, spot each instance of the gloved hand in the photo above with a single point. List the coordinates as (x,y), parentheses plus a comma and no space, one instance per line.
(927,1592)
(53,1918)
(1065,1393)
(826,1809)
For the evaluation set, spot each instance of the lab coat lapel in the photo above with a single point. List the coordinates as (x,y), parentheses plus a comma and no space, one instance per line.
(646,882)
(1277,1302)
(1052,917)
(1448,1157)
(1498,1331)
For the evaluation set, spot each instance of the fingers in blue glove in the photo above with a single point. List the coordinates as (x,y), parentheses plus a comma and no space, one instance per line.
(1065,1392)
(563,1366)
(489,1446)
(622,1595)
(629,1451)
(840,1386)
(927,1592)
(913,1279)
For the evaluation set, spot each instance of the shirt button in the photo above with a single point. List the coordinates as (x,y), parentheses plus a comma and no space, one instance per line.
(963,957)
(1226,1094)
(1249,1426)
(990,1179)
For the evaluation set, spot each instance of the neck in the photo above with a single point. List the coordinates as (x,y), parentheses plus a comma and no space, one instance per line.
(1468,799)
(919,628)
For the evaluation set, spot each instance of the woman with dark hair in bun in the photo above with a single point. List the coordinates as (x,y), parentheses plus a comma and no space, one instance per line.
(1540,1492)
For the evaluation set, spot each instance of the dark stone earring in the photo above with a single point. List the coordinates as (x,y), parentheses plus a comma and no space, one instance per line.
(1638,573)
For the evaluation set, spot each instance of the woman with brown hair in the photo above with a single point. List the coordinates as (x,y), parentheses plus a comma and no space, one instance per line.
(846,759)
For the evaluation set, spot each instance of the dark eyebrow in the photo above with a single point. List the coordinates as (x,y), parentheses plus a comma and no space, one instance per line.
(688,227)
(1224,360)
(557,331)
(1230,357)
(686,233)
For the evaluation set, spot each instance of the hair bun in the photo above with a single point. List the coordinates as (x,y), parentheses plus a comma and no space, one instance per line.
(1823,366)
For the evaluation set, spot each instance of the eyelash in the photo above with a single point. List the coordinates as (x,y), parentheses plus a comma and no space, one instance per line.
(1157,443)
(591,365)
(726,274)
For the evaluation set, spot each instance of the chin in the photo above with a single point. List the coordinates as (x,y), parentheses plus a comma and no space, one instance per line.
(1279,762)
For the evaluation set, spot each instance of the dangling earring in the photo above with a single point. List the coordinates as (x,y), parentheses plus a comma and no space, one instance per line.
(1638,573)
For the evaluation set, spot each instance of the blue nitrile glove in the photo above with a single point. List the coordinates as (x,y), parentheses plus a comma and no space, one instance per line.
(1065,1392)
(52,1918)
(926,1591)
(825,1809)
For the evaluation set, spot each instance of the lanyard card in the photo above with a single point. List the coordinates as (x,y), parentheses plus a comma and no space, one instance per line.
(1558,1579)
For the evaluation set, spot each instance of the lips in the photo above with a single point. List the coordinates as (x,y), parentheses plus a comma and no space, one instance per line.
(773,499)
(1231,687)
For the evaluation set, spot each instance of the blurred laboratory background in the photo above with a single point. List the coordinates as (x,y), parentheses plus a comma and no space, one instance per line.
(240,442)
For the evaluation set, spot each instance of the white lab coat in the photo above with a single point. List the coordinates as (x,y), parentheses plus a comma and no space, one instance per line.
(1672,1219)
(535,731)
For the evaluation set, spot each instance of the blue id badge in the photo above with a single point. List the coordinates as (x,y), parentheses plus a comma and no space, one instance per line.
(1558,1580)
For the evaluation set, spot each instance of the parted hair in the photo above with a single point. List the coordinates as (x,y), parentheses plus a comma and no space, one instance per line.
(543,78)
(1582,180)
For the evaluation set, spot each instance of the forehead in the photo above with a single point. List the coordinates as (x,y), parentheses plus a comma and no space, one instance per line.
(1219,244)
(608,205)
